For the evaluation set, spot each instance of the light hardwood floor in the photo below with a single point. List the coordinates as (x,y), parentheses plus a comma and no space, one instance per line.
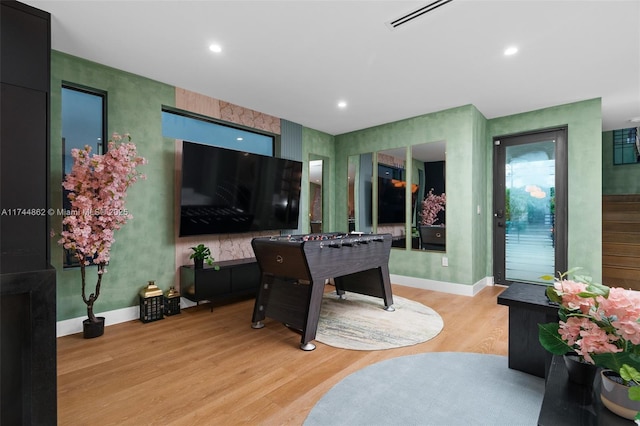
(211,368)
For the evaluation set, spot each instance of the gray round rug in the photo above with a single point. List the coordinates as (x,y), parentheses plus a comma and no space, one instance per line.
(360,322)
(438,388)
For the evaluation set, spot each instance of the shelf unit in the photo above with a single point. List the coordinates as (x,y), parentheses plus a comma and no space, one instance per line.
(234,279)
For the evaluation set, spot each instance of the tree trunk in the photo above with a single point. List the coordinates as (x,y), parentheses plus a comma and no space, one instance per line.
(89,301)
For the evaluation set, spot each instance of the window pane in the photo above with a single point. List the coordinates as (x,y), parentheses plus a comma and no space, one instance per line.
(82,124)
(195,130)
(626,146)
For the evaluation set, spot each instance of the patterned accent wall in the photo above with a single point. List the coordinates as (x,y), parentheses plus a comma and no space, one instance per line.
(214,108)
(226,246)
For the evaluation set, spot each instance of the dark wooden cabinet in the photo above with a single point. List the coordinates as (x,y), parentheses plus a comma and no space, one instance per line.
(27,281)
(234,278)
(528,307)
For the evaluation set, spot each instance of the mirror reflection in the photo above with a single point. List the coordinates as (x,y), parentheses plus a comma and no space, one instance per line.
(315,194)
(429,173)
(391,194)
(359,193)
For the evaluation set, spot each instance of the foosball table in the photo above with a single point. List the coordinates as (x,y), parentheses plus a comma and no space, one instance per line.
(294,270)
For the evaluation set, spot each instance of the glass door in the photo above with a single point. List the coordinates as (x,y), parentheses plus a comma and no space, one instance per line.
(529,207)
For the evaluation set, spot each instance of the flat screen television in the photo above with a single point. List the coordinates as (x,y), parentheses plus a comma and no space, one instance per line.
(225,191)
(391,196)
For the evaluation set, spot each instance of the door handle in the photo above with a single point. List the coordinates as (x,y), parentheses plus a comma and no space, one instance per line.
(499,213)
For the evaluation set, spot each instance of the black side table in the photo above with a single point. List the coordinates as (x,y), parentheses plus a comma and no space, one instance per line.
(568,404)
(528,307)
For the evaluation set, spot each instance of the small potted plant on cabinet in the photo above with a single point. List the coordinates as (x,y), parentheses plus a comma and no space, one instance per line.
(200,255)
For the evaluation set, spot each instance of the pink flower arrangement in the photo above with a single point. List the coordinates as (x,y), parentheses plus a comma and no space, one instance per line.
(599,323)
(598,319)
(97,188)
(431,206)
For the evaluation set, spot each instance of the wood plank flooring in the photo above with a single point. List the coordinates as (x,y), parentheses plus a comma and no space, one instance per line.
(211,368)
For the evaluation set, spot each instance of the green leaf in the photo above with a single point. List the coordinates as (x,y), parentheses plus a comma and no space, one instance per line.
(629,373)
(550,339)
(634,394)
(615,361)
(553,295)
(599,289)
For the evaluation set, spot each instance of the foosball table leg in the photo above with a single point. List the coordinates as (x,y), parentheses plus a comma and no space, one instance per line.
(257,324)
(307,346)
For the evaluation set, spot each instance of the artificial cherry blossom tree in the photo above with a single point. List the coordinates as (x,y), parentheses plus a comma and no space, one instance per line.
(97,188)
(431,206)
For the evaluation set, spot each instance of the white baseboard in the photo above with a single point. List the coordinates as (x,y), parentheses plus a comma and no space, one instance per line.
(74,325)
(443,286)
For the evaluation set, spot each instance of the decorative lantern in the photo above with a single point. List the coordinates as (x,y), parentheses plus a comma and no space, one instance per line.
(171,302)
(151,303)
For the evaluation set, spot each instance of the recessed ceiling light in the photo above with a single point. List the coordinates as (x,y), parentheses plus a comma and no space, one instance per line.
(216,48)
(239,139)
(342,104)
(511,51)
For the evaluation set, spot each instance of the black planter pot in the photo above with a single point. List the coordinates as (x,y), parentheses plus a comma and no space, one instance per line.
(198,263)
(93,329)
(579,372)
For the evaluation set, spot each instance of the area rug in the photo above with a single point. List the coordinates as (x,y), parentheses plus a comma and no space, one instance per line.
(360,322)
(439,388)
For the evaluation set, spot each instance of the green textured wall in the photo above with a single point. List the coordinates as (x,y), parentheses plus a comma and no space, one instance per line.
(621,179)
(144,247)
(584,121)
(482,207)
(469,183)
(319,144)
(462,129)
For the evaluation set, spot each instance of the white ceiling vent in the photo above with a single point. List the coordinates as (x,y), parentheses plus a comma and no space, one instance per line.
(408,17)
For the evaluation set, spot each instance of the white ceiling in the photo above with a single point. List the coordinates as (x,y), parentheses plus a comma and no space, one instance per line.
(297,59)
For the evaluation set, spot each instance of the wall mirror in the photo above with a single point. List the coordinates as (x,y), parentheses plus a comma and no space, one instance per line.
(359,192)
(316,195)
(429,174)
(391,194)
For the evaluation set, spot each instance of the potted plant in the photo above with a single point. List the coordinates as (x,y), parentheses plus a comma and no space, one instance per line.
(97,187)
(602,326)
(200,255)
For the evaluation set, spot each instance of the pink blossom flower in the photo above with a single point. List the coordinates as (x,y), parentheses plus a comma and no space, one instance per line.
(570,290)
(431,206)
(98,187)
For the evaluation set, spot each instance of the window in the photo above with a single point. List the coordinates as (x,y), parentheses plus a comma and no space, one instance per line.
(83,123)
(190,128)
(626,146)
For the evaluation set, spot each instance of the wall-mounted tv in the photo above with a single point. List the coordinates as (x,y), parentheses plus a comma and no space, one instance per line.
(391,196)
(225,191)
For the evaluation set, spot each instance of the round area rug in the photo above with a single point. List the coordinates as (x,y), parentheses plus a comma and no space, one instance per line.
(360,322)
(439,388)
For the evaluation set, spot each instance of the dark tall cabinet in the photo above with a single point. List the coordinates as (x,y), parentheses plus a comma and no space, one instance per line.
(27,281)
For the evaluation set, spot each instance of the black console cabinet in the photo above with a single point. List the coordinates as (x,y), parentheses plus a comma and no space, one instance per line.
(28,388)
(235,278)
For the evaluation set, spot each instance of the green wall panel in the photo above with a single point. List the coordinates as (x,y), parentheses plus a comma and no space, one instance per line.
(461,128)
(144,247)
